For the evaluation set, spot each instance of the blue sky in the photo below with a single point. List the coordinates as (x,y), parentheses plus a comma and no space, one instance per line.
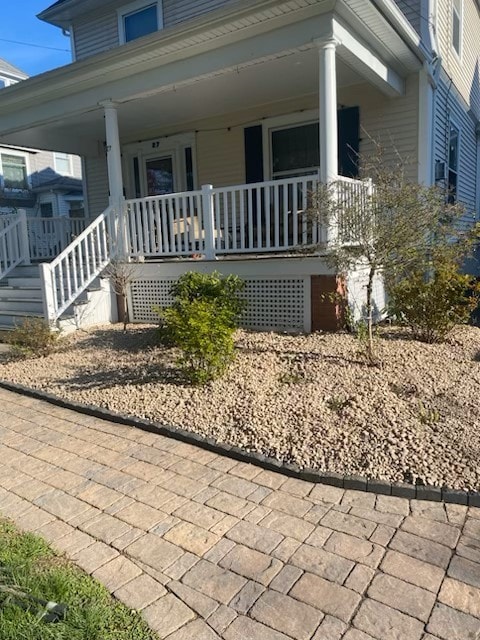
(19,22)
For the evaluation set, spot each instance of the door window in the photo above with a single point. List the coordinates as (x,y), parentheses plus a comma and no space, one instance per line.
(160,176)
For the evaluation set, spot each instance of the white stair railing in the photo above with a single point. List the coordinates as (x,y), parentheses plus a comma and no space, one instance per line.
(71,272)
(14,248)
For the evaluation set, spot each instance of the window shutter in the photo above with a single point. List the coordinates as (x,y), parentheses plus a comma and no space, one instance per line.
(348,141)
(254,154)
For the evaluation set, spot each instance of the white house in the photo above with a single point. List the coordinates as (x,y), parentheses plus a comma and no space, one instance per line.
(205,126)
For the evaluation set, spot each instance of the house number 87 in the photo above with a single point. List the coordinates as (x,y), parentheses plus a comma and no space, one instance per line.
(155,145)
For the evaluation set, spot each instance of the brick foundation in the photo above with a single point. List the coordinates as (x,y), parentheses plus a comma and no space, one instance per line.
(328,314)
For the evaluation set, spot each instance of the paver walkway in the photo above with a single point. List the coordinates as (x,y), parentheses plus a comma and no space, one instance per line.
(209,548)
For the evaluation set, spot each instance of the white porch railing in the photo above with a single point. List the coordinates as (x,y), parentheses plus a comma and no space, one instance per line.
(14,248)
(50,236)
(71,272)
(272,216)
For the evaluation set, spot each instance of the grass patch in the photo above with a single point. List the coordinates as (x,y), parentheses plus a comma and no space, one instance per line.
(31,574)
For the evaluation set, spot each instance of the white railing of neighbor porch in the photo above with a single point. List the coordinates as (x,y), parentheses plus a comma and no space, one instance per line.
(50,236)
(71,272)
(14,249)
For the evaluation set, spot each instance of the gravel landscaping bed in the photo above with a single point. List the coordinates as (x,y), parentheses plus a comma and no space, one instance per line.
(306,399)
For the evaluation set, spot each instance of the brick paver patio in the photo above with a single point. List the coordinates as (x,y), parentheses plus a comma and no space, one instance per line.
(210,548)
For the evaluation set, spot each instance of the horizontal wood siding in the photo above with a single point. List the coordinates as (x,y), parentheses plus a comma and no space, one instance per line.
(450,106)
(175,11)
(391,122)
(96,34)
(96,178)
(221,157)
(464,71)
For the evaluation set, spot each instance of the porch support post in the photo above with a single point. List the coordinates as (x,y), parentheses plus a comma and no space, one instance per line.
(208,221)
(328,110)
(115,177)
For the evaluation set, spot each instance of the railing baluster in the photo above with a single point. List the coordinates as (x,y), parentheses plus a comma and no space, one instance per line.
(295,212)
(285,216)
(250,217)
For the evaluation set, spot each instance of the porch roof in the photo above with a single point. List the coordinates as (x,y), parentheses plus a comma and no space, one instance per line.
(206,62)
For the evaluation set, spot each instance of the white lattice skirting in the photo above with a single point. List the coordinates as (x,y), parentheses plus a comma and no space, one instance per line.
(274,304)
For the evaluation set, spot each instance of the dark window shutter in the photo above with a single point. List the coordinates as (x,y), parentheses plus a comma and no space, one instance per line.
(348,141)
(254,154)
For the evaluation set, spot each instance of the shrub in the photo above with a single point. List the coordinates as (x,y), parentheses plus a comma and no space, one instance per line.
(33,338)
(203,331)
(211,287)
(202,322)
(431,304)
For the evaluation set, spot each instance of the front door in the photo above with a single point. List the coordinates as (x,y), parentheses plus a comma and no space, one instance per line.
(160,175)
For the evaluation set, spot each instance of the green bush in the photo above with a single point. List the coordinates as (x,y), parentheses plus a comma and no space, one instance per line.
(211,287)
(432,303)
(33,338)
(202,322)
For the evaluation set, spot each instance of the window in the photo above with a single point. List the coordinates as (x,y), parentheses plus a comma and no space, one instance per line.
(14,171)
(63,163)
(2,83)
(453,149)
(76,209)
(295,151)
(46,210)
(457,15)
(139,19)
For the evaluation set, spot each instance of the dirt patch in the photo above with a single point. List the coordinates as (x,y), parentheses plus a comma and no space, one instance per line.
(306,399)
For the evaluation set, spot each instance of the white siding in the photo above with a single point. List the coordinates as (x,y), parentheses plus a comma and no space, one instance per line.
(95,34)
(96,180)
(465,70)
(98,31)
(175,11)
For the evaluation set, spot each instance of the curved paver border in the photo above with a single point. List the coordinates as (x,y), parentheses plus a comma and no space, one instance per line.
(359,483)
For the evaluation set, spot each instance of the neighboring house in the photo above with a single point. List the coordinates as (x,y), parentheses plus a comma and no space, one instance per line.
(44,183)
(260,99)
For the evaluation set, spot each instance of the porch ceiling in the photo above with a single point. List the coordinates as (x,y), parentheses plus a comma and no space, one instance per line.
(177,108)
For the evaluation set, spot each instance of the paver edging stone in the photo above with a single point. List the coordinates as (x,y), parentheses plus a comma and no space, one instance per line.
(405,490)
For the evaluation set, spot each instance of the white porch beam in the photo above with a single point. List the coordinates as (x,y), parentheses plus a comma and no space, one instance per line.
(369,63)
(328,110)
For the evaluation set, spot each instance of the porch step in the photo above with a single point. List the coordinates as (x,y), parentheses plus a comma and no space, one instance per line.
(27,283)
(10,319)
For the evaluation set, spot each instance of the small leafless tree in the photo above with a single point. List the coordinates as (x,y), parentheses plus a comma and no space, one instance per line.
(389,228)
(121,275)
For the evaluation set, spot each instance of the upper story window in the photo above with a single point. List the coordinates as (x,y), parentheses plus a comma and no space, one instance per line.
(14,171)
(139,19)
(63,163)
(457,23)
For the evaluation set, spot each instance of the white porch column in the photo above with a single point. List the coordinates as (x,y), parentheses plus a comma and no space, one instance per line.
(328,110)
(114,164)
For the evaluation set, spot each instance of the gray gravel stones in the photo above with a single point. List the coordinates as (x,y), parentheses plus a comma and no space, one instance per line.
(310,399)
